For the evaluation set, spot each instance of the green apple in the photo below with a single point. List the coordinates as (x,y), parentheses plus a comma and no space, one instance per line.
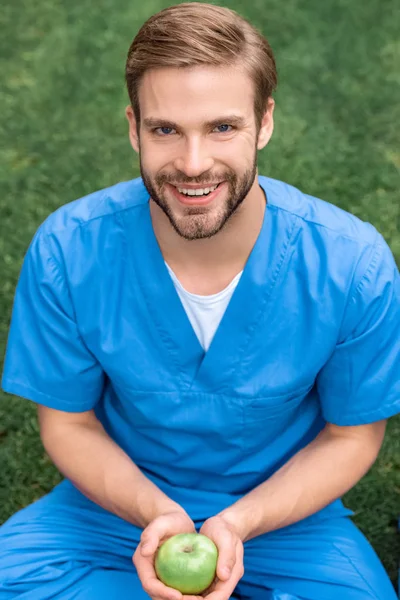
(187,562)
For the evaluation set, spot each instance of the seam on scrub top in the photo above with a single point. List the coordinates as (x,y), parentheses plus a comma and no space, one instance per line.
(309,220)
(64,279)
(169,345)
(351,296)
(373,262)
(90,219)
(267,297)
(172,351)
(36,391)
(356,569)
(376,252)
(376,411)
(227,395)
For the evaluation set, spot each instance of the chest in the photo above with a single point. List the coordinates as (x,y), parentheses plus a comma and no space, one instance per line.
(263,346)
(279,327)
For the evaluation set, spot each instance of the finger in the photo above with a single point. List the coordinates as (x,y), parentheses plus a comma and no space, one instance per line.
(223,589)
(209,589)
(155,589)
(150,538)
(149,542)
(226,544)
(150,582)
(149,548)
(160,528)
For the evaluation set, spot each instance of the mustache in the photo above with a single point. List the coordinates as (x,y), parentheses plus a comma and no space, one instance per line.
(196,181)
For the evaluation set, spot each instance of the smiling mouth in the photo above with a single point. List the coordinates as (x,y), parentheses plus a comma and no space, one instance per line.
(204,186)
(192,199)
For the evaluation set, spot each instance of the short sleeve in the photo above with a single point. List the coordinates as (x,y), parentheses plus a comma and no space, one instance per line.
(360,383)
(46,359)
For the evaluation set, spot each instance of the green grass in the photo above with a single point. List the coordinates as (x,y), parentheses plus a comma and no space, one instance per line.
(65,135)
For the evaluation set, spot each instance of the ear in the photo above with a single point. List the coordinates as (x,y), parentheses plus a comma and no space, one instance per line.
(133,133)
(267,125)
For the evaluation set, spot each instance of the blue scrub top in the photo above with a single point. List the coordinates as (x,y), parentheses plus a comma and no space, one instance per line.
(310,335)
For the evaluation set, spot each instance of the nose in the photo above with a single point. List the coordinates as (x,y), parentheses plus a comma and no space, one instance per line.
(194,158)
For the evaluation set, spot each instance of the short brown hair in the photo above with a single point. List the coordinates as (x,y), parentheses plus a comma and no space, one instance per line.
(195,33)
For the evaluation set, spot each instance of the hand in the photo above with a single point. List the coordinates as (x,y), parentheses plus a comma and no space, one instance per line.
(157,532)
(230,557)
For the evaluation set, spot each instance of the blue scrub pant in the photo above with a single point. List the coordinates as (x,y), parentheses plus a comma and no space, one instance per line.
(65,547)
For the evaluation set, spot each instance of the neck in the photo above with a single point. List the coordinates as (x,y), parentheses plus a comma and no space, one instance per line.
(228,249)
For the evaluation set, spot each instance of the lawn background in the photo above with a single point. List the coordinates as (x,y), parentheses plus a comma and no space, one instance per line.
(65,135)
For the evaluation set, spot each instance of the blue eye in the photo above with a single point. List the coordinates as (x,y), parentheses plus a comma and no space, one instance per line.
(224,125)
(163,130)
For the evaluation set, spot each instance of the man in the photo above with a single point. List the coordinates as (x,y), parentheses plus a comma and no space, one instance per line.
(210,350)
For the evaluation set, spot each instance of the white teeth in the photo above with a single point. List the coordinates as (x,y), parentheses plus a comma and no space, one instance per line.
(199,192)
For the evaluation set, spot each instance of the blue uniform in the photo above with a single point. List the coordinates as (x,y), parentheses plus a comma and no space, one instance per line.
(310,335)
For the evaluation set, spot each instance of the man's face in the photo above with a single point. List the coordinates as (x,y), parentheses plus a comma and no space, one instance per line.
(188,136)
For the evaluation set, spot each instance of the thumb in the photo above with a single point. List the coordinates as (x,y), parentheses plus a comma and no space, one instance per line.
(149,541)
(162,527)
(226,556)
(148,548)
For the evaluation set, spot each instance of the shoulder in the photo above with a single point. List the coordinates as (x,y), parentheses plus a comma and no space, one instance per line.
(104,204)
(317,215)
(332,240)
(346,258)
(89,225)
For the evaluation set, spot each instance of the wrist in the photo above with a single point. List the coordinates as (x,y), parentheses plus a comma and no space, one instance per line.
(243,519)
(167,506)
(151,503)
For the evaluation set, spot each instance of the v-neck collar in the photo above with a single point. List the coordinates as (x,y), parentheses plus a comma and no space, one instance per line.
(196,369)
(199,298)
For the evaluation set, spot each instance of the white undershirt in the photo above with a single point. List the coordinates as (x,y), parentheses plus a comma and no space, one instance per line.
(204,312)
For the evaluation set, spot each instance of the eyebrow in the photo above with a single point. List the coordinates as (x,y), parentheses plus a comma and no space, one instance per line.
(236,120)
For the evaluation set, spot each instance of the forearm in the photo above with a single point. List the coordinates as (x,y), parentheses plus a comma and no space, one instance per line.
(318,474)
(103,472)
